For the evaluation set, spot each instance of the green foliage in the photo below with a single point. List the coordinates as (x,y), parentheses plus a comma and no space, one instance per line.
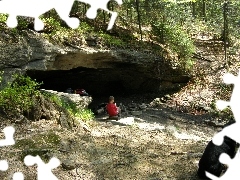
(3,17)
(85,114)
(17,97)
(177,40)
(51,24)
(72,109)
(22,23)
(85,28)
(110,40)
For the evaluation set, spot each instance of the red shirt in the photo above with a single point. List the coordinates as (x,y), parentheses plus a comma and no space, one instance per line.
(112,109)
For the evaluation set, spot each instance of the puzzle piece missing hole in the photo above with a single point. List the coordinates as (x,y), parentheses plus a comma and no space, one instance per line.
(234,100)
(18,176)
(9,140)
(101,4)
(232,172)
(231,131)
(35,8)
(3,165)
(44,170)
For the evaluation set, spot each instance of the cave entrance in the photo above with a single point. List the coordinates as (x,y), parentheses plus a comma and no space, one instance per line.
(97,82)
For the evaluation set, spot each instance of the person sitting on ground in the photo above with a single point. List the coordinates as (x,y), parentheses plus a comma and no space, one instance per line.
(112,110)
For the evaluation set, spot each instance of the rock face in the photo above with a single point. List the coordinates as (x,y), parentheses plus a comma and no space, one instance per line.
(63,117)
(44,108)
(81,102)
(120,69)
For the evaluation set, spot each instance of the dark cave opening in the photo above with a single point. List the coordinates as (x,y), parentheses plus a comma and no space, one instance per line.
(121,81)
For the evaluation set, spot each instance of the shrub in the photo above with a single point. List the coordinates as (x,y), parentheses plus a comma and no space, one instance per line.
(85,28)
(177,40)
(110,40)
(16,98)
(51,24)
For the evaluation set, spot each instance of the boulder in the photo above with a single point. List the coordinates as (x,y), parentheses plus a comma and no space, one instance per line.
(80,101)
(68,164)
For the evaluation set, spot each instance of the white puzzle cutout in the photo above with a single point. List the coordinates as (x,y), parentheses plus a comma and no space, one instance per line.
(44,170)
(101,4)
(36,8)
(3,165)
(233,172)
(232,131)
(9,140)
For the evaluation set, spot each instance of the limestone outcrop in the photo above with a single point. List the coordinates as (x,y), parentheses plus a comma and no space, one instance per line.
(44,108)
(81,102)
(32,52)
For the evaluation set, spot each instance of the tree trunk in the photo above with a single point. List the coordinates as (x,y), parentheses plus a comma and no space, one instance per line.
(194,9)
(84,10)
(139,18)
(225,32)
(204,10)
(104,16)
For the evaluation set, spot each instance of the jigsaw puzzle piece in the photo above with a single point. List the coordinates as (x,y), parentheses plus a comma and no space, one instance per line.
(222,104)
(232,131)
(102,4)
(3,165)
(229,78)
(234,100)
(30,8)
(18,176)
(232,172)
(44,170)
(9,140)
(63,8)
(35,8)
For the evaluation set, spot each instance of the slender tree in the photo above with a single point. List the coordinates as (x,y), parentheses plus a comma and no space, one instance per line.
(139,18)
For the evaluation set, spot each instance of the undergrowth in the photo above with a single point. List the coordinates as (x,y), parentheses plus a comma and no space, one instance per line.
(16,97)
(81,113)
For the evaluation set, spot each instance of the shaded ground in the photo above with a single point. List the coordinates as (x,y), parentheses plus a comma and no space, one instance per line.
(112,150)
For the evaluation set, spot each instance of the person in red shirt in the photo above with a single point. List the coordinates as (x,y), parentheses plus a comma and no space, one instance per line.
(112,110)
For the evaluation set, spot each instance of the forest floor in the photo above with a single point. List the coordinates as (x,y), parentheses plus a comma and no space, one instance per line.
(160,144)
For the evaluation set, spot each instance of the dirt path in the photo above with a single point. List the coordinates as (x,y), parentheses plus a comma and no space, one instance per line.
(160,144)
